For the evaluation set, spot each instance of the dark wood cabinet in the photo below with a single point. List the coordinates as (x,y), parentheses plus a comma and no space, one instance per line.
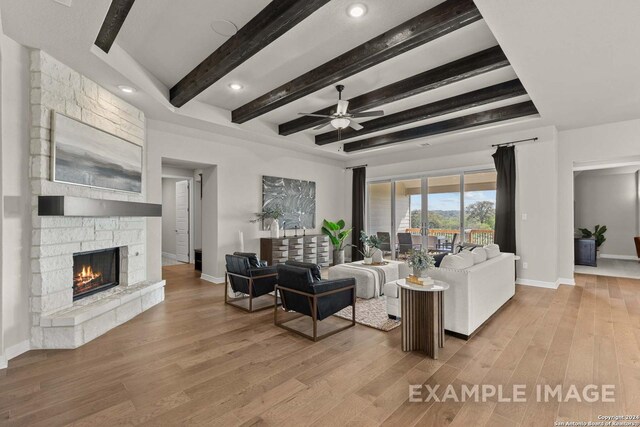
(585,252)
(198,259)
(310,248)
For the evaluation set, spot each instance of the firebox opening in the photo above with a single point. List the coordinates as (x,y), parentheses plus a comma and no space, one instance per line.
(95,271)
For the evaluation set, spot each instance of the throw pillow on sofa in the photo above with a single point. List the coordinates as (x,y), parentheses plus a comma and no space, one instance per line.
(479,255)
(438,258)
(456,262)
(468,256)
(493,250)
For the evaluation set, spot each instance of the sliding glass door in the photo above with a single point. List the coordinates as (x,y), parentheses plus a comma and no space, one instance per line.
(379,216)
(480,207)
(437,213)
(444,202)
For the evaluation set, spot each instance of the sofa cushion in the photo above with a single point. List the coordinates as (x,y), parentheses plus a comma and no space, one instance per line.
(479,255)
(468,255)
(391,290)
(493,250)
(456,262)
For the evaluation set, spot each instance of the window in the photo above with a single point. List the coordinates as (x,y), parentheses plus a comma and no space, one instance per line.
(439,212)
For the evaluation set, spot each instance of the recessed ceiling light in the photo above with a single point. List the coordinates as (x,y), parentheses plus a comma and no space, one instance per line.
(224,28)
(357,10)
(235,86)
(126,89)
(64,2)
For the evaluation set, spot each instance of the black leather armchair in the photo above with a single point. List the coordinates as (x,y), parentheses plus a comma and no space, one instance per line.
(318,299)
(250,278)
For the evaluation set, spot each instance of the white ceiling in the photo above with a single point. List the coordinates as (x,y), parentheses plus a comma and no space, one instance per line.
(578,59)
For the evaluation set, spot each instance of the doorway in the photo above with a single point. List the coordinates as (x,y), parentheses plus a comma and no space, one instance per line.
(181,212)
(607,196)
(178,227)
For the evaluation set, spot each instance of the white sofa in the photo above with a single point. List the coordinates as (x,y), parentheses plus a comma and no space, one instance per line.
(474,293)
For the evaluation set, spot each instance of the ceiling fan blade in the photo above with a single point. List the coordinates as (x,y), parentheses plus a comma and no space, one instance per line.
(342,107)
(324,125)
(374,113)
(315,115)
(355,126)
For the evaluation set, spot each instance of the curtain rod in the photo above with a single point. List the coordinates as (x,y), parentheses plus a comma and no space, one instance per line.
(355,167)
(502,144)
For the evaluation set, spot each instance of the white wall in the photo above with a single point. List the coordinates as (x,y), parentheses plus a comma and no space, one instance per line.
(233,188)
(536,197)
(608,198)
(16,223)
(610,143)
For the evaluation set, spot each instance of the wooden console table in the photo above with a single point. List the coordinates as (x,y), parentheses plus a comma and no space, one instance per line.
(422,311)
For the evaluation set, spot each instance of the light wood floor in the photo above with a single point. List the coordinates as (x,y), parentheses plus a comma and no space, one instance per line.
(193,360)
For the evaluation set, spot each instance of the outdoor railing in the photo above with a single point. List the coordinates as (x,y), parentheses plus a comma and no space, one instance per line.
(477,237)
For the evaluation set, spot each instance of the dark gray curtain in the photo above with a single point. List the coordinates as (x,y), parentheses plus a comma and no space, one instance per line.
(357,203)
(505,236)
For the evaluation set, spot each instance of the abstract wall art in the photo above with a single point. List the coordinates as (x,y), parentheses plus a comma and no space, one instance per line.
(85,155)
(295,198)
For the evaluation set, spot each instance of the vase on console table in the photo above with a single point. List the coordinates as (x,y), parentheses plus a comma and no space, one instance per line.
(368,260)
(275,229)
(338,257)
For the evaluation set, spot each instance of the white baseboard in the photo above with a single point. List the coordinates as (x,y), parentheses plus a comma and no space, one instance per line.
(565,281)
(17,349)
(621,257)
(14,351)
(208,278)
(537,283)
(168,255)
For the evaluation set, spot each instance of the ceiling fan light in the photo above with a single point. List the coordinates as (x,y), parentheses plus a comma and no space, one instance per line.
(340,123)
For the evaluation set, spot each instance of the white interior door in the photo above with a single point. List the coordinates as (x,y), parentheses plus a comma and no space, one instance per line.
(182,221)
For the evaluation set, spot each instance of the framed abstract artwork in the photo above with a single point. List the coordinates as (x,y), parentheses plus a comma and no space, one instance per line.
(295,198)
(85,155)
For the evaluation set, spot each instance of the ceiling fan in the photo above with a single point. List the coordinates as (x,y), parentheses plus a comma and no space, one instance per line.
(342,119)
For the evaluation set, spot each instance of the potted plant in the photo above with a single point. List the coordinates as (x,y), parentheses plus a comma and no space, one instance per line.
(420,261)
(371,244)
(597,234)
(269,217)
(337,234)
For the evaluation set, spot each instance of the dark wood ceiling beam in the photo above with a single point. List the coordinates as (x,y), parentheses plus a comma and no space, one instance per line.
(432,24)
(461,69)
(273,21)
(454,104)
(117,13)
(509,112)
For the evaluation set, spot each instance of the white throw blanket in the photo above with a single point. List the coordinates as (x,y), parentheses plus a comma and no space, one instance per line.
(378,275)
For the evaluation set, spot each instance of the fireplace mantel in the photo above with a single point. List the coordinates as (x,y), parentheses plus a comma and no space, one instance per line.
(85,207)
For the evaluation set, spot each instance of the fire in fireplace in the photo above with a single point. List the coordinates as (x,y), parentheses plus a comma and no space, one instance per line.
(95,271)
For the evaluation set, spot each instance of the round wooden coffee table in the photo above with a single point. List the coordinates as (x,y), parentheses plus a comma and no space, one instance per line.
(422,311)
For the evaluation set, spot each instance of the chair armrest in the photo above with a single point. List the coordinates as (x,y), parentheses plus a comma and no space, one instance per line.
(324,286)
(256,273)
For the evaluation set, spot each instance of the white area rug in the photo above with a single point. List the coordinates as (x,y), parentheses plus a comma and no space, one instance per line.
(371,312)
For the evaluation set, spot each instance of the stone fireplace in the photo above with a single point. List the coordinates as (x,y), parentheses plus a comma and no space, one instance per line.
(88,273)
